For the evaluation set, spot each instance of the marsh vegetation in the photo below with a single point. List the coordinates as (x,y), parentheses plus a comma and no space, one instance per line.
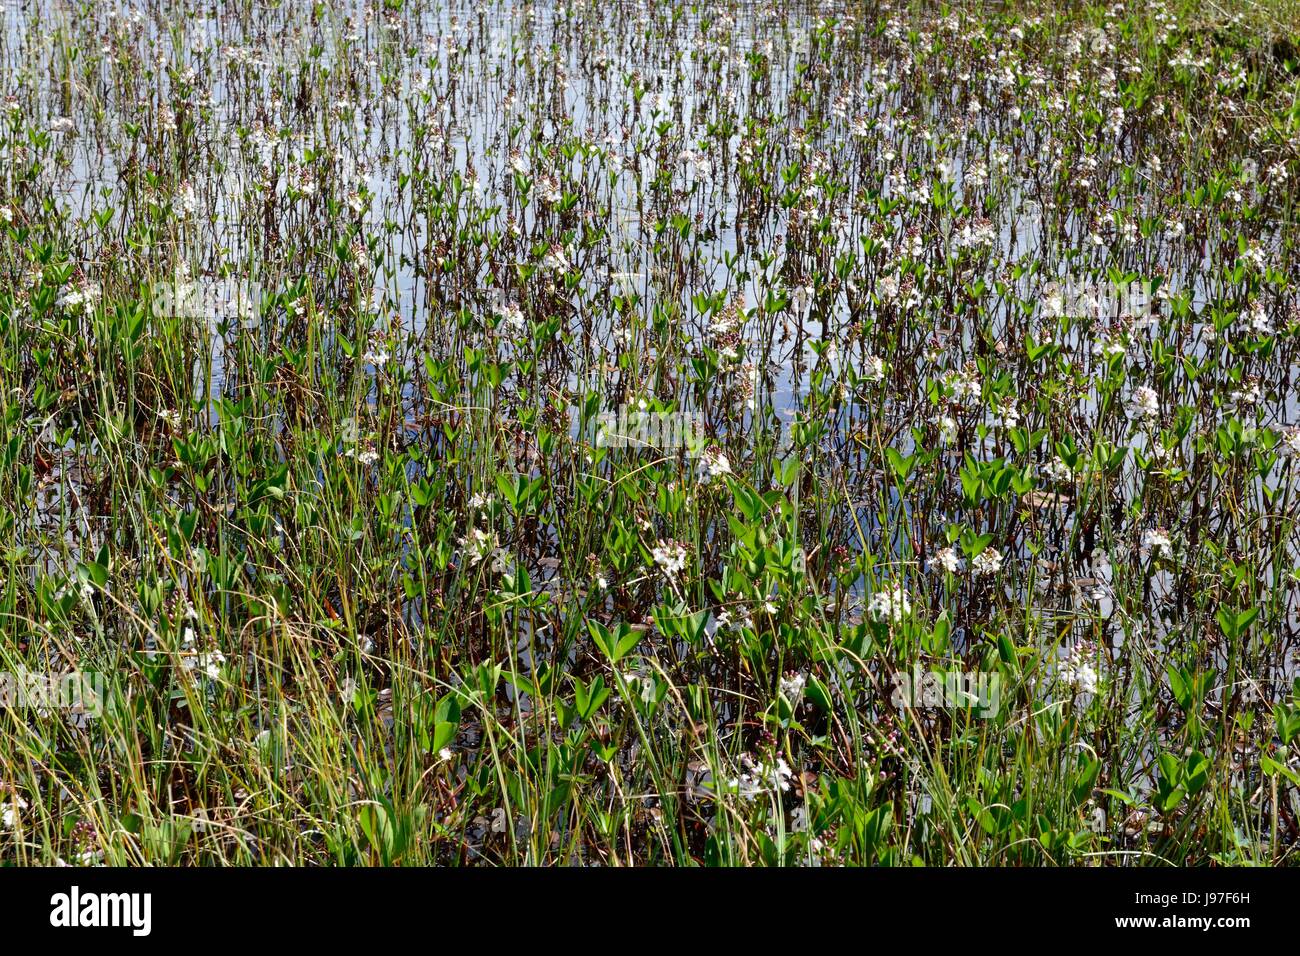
(649,433)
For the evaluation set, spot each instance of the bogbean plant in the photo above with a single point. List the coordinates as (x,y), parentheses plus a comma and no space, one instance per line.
(330,332)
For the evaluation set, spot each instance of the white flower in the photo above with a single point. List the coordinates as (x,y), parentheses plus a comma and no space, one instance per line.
(873,369)
(801,298)
(556,259)
(186,202)
(792,686)
(549,187)
(760,777)
(1057,470)
(723,623)
(1081,675)
(779,775)
(211,663)
(947,429)
(966,387)
(208,664)
(479,545)
(670,556)
(1007,413)
(81,298)
(1157,542)
(889,604)
(949,560)
(1144,403)
(12,807)
(987,563)
(6,214)
(1111,346)
(513,316)
(1246,396)
(1258,321)
(713,464)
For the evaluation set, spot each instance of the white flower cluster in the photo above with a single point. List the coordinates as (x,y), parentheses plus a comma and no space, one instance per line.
(713,464)
(792,687)
(1078,673)
(987,563)
(947,429)
(480,545)
(1057,470)
(949,560)
(759,777)
(1144,403)
(1157,543)
(890,604)
(207,663)
(670,557)
(965,387)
